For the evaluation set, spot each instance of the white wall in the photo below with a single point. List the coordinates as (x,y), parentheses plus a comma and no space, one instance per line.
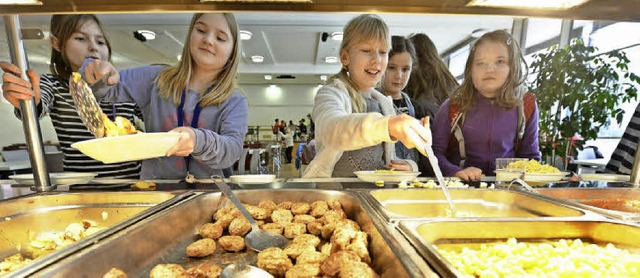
(288,102)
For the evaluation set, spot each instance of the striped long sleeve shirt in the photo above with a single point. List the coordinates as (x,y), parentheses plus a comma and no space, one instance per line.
(56,100)
(621,161)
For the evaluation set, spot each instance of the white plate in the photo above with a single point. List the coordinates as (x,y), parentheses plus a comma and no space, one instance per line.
(544,177)
(395,176)
(604,177)
(128,147)
(252,179)
(62,178)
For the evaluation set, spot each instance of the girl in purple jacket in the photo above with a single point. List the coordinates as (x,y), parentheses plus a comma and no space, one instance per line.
(491,112)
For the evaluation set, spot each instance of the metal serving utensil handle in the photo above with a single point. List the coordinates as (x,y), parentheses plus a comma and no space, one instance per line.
(224,187)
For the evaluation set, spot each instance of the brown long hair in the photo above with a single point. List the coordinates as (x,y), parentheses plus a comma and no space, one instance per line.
(172,80)
(363,28)
(431,75)
(62,27)
(511,93)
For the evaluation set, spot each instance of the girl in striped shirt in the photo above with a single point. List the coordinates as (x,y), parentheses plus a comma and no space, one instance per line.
(74,38)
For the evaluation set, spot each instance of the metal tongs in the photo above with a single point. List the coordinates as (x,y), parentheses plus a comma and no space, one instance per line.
(433,160)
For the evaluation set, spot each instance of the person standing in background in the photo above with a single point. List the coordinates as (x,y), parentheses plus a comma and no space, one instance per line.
(288,142)
(291,128)
(73,39)
(401,60)
(430,83)
(621,161)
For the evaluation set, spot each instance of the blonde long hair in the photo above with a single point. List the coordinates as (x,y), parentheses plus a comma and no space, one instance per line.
(363,28)
(510,94)
(172,80)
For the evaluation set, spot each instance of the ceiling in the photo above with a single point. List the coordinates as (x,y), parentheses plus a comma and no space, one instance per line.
(291,43)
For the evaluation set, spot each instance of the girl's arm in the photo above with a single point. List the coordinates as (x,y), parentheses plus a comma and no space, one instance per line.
(221,150)
(529,147)
(340,130)
(441,135)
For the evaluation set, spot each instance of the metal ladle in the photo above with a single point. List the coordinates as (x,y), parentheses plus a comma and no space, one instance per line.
(244,271)
(257,239)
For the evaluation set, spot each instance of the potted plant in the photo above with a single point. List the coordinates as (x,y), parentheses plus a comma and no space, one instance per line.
(578,92)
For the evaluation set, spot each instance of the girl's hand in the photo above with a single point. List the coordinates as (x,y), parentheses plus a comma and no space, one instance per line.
(97,69)
(398,165)
(411,132)
(469,174)
(14,88)
(185,144)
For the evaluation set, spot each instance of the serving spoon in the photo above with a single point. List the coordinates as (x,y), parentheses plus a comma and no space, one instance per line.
(257,239)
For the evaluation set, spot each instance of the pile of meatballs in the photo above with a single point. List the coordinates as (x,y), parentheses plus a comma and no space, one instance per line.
(324,242)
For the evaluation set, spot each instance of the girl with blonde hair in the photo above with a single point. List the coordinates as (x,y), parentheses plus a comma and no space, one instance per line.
(490,115)
(355,125)
(196,97)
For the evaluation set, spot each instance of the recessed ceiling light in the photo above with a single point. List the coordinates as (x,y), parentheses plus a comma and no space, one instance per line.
(537,4)
(323,77)
(20,2)
(148,34)
(268,77)
(331,59)
(257,59)
(245,35)
(336,36)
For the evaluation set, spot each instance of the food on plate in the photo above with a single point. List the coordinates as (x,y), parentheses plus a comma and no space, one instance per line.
(232,243)
(115,273)
(385,172)
(211,230)
(121,126)
(205,270)
(532,166)
(275,261)
(167,270)
(560,258)
(201,248)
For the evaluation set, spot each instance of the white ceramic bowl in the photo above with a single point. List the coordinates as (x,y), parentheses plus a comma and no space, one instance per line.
(128,147)
(252,179)
(395,176)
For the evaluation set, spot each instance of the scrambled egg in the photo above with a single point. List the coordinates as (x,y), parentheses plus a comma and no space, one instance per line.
(532,166)
(121,126)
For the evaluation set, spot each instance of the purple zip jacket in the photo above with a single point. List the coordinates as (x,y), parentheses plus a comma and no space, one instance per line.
(489,131)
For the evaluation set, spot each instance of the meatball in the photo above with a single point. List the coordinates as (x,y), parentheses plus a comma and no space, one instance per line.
(273,227)
(211,230)
(358,245)
(341,238)
(355,269)
(294,229)
(232,243)
(303,271)
(311,257)
(167,270)
(205,271)
(295,249)
(347,224)
(319,208)
(275,261)
(327,230)
(315,227)
(300,208)
(335,262)
(307,238)
(282,216)
(334,205)
(239,227)
(269,205)
(258,212)
(225,220)
(115,273)
(230,211)
(285,205)
(201,248)
(303,218)
(331,217)
(326,249)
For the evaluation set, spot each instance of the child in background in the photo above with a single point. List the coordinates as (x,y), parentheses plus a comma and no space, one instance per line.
(489,109)
(401,60)
(73,39)
(356,125)
(196,97)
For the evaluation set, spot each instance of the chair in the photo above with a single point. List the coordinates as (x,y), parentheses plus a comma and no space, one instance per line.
(242,162)
(254,163)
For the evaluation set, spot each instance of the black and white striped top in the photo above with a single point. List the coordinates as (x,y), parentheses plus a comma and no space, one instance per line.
(621,160)
(56,100)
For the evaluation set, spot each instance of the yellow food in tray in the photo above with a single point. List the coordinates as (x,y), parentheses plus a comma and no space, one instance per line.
(532,166)
(121,126)
(561,258)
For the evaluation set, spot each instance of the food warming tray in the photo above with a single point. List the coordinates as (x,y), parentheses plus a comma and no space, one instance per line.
(24,217)
(163,238)
(620,203)
(399,204)
(458,234)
